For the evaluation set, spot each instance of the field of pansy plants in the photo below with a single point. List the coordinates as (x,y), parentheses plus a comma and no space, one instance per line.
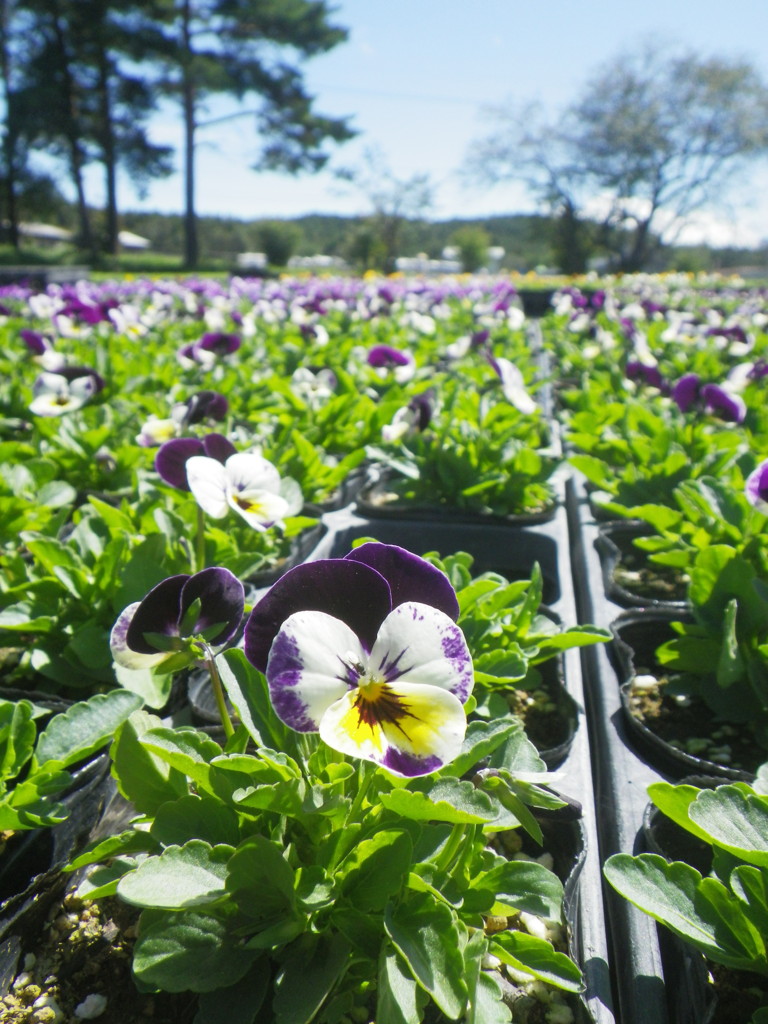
(363,617)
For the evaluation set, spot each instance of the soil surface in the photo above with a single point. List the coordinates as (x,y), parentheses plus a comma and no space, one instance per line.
(690,726)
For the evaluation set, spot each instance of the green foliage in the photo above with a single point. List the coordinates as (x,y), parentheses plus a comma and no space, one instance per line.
(329,884)
(34,761)
(723,915)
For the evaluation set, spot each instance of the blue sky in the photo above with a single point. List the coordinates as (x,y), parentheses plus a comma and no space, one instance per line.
(416,76)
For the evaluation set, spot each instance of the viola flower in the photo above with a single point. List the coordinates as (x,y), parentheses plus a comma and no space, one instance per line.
(314,386)
(64,390)
(173,456)
(202,406)
(207,351)
(645,373)
(365,651)
(247,483)
(387,360)
(513,385)
(41,349)
(175,617)
(686,391)
(729,407)
(416,416)
(157,431)
(756,488)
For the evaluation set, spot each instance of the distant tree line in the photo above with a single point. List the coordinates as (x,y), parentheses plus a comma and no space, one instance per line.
(529,241)
(81,80)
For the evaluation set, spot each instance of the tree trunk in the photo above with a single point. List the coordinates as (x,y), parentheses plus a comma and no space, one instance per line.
(10,140)
(191,251)
(109,157)
(76,159)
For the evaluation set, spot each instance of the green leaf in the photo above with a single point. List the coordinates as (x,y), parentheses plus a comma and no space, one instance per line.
(399,1000)
(18,733)
(449,799)
(142,777)
(481,740)
(537,957)
(750,884)
(262,882)
(195,817)
(179,877)
(426,935)
(309,971)
(84,728)
(375,869)
(239,1003)
(189,951)
(523,885)
(674,894)
(675,801)
(735,820)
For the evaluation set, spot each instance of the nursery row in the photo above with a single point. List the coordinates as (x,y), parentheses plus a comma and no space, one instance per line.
(363,618)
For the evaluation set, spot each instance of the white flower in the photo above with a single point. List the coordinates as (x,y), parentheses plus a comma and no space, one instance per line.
(54,395)
(247,483)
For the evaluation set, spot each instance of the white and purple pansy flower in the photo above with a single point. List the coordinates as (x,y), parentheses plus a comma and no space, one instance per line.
(756,488)
(411,418)
(206,351)
(387,360)
(513,385)
(175,616)
(247,483)
(365,651)
(723,403)
(64,390)
(172,457)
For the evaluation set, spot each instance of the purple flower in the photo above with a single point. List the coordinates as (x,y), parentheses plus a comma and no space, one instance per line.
(175,616)
(365,650)
(206,351)
(686,391)
(645,374)
(172,457)
(360,589)
(205,405)
(722,403)
(386,359)
(756,487)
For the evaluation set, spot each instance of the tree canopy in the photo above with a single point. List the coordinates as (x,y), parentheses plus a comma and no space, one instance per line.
(653,137)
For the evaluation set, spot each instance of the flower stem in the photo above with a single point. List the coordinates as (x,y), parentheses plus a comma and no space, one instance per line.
(451,849)
(218,694)
(200,540)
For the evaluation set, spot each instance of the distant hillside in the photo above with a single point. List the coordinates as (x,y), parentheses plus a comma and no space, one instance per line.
(527,239)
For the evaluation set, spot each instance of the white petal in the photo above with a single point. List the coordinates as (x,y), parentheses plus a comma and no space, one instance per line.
(123,654)
(419,644)
(309,667)
(207,479)
(249,471)
(513,386)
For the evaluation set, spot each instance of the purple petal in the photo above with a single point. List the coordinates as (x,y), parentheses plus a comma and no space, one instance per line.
(686,391)
(384,355)
(408,764)
(410,578)
(159,612)
(355,593)
(646,374)
(756,488)
(218,447)
(728,407)
(172,457)
(34,341)
(208,405)
(218,342)
(222,599)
